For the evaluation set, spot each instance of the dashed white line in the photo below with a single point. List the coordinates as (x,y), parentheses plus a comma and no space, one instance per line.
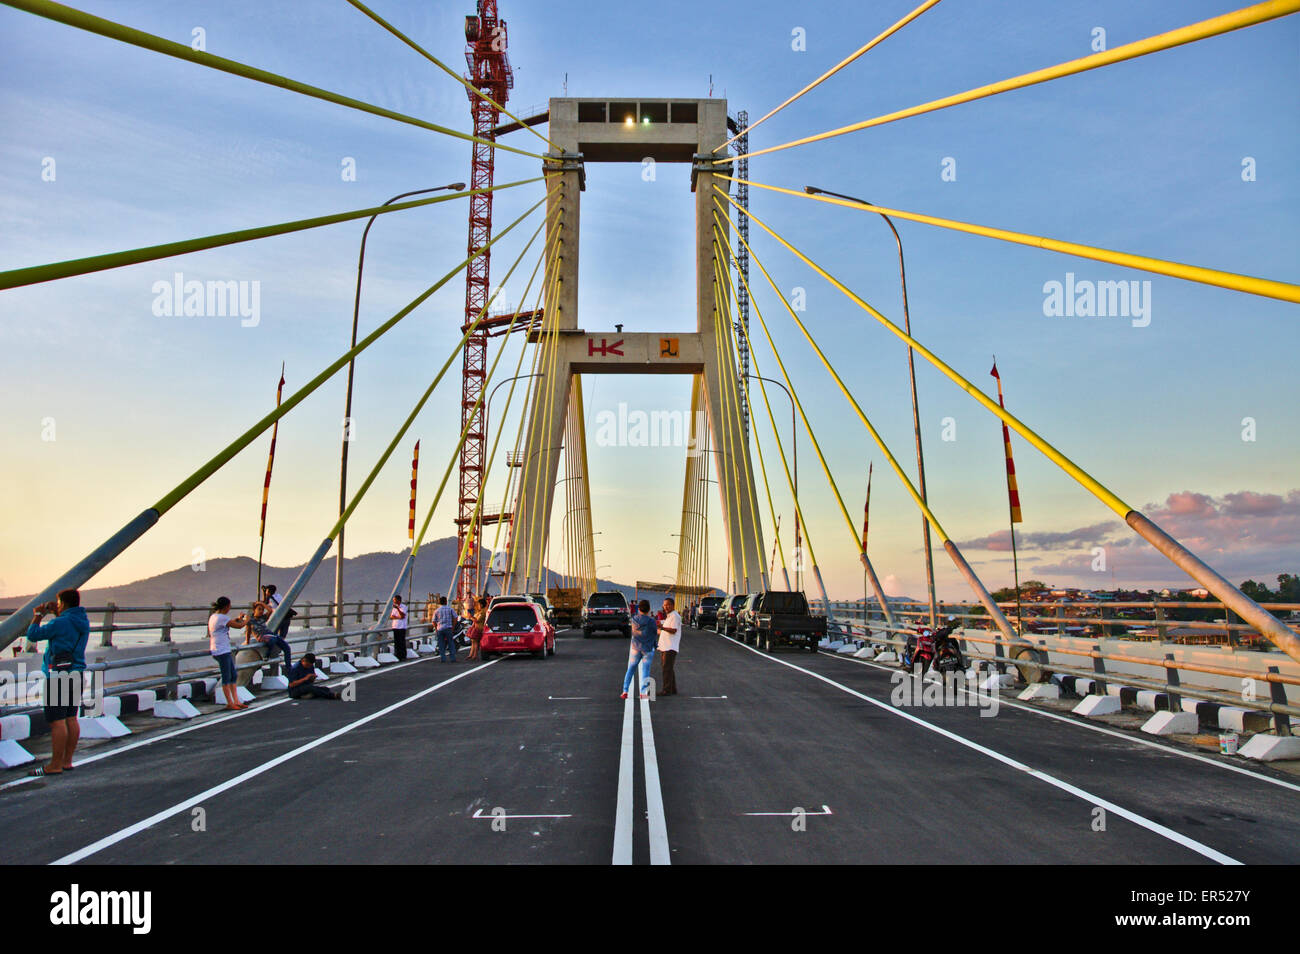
(1139,820)
(123,834)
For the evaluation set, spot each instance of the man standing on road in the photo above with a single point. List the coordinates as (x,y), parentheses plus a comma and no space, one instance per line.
(64,662)
(643,647)
(398,617)
(670,638)
(444,622)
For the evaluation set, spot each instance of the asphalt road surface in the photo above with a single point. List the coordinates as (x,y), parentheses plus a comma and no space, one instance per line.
(792,758)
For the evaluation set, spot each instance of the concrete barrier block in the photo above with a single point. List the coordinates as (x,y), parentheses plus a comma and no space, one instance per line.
(113,706)
(1152,701)
(866,652)
(102,727)
(1114,690)
(1243,720)
(1271,748)
(426,649)
(362,662)
(412,653)
(1094,705)
(1041,690)
(271,683)
(174,709)
(145,700)
(888,656)
(321,677)
(998,681)
(1172,723)
(12,754)
(386,659)
(15,728)
(848,649)
(338,666)
(825,643)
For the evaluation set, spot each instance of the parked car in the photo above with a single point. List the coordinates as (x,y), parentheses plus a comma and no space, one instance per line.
(517,627)
(706,612)
(726,623)
(781,618)
(541,601)
(606,611)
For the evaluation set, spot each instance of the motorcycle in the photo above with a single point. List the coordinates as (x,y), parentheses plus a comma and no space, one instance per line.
(919,650)
(947,652)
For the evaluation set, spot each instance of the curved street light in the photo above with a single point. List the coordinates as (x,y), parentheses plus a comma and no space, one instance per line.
(347,400)
(911,370)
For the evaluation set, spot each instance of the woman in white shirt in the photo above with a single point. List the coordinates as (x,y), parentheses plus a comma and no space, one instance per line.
(219,626)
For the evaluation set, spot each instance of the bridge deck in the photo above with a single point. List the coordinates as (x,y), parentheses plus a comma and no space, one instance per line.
(400,774)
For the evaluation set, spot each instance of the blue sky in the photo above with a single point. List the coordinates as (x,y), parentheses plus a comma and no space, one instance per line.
(1145,156)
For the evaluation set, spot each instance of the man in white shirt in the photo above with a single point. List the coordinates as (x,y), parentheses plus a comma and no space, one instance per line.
(397,616)
(670,640)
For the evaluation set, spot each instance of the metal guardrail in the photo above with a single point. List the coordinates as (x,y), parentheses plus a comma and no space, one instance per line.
(1172,687)
(109,617)
(370,637)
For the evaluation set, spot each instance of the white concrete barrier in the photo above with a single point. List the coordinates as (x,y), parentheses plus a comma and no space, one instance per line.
(1095,705)
(12,754)
(1271,748)
(1172,723)
(15,727)
(361,662)
(1041,690)
(338,666)
(386,659)
(174,709)
(102,727)
(271,683)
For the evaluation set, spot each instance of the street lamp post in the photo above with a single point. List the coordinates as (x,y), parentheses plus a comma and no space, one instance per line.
(916,414)
(347,401)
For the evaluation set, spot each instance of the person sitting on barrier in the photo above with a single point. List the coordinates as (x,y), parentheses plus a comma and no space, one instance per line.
(302,678)
(645,634)
(272,641)
(65,637)
(219,626)
(444,620)
(273,600)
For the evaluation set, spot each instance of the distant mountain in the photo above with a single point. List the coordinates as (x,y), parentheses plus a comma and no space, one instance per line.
(366,577)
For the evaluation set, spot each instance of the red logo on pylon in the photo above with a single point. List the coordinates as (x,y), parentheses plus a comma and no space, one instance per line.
(604,348)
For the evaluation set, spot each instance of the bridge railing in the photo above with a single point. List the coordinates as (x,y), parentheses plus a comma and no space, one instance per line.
(136,673)
(165,623)
(1144,663)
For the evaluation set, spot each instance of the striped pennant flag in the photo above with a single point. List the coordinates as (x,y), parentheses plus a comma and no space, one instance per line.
(1013,491)
(270,460)
(415,472)
(866,509)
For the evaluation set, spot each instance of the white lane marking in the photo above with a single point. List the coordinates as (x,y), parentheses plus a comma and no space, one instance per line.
(706,697)
(478,813)
(1104,730)
(1134,817)
(826,810)
(623,814)
(567,698)
(215,790)
(191,727)
(654,796)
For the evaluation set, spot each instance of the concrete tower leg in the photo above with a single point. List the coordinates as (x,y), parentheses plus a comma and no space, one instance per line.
(536,493)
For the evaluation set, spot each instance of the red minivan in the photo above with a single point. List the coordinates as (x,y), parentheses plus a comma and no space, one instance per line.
(517,628)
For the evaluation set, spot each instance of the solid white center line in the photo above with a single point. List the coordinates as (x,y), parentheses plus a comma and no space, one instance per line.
(1148,824)
(176,809)
(479,813)
(623,814)
(654,797)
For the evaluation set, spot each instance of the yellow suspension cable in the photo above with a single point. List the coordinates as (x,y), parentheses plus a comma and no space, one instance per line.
(758,446)
(833,70)
(1226,23)
(1070,467)
(1265,287)
(728,450)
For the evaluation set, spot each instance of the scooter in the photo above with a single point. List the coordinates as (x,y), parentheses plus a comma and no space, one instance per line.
(947,653)
(919,650)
